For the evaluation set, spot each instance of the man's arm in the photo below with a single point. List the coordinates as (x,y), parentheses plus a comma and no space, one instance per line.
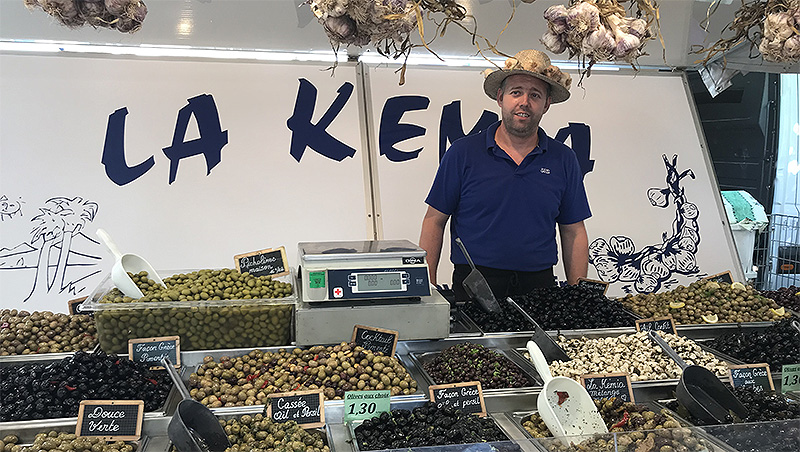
(431,238)
(575,250)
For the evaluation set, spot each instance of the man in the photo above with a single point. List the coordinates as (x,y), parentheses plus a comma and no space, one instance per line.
(506,188)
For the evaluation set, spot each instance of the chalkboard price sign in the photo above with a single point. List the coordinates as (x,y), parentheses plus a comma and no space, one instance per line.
(598,286)
(467,397)
(269,262)
(666,324)
(605,386)
(375,339)
(73,306)
(111,420)
(304,407)
(756,376)
(153,349)
(725,277)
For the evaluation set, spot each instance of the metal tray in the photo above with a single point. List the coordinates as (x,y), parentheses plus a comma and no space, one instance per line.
(633,317)
(194,359)
(719,432)
(513,434)
(26,431)
(713,444)
(32,358)
(173,397)
(420,358)
(461,325)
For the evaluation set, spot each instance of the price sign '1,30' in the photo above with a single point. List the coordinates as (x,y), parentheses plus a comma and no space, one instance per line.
(365,404)
(790,377)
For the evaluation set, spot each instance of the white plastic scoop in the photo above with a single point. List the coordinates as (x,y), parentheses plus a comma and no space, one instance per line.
(127,263)
(564,405)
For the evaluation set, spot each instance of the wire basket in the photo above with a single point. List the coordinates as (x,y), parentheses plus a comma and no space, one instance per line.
(777,253)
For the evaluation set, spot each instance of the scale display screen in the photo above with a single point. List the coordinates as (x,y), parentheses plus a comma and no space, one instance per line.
(379,282)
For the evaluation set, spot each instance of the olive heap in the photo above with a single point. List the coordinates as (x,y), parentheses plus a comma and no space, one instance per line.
(553,308)
(753,434)
(202,285)
(474,362)
(26,333)
(508,319)
(247,380)
(619,416)
(707,302)
(256,433)
(574,307)
(635,354)
(427,425)
(54,390)
(776,345)
(785,296)
(54,440)
(206,325)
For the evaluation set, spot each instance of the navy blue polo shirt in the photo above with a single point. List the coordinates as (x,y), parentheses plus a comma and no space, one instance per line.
(506,214)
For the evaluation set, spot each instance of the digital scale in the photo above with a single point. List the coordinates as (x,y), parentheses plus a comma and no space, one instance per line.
(362,270)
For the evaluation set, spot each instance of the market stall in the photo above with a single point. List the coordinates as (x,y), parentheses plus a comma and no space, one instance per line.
(280,154)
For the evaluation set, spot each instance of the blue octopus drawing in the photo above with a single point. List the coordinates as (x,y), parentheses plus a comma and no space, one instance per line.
(617,260)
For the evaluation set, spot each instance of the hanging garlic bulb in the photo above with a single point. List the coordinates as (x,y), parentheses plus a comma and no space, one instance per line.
(556,17)
(791,48)
(599,44)
(627,46)
(636,27)
(583,16)
(553,42)
(777,26)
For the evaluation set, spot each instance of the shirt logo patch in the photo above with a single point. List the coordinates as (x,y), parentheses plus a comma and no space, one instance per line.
(544,170)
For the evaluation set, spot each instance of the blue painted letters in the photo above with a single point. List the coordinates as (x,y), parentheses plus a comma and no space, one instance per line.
(304,133)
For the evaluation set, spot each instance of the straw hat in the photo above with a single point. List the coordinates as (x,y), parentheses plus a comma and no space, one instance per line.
(533,63)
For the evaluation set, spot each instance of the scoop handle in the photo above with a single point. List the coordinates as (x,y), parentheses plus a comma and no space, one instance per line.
(464,250)
(796,325)
(106,239)
(176,379)
(539,361)
(667,349)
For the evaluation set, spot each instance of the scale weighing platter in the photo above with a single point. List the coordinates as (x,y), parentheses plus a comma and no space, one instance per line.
(362,270)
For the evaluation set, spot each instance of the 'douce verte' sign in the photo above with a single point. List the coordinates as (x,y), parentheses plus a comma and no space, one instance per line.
(111,420)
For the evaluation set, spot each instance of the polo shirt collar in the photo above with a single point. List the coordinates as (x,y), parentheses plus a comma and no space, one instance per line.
(492,147)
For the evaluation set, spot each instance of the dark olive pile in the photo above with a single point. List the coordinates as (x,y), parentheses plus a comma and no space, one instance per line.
(707,302)
(474,362)
(785,296)
(247,380)
(25,333)
(54,390)
(621,417)
(427,425)
(509,319)
(574,307)
(752,434)
(61,441)
(776,345)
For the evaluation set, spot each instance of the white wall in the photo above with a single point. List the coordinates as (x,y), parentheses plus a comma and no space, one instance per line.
(54,111)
